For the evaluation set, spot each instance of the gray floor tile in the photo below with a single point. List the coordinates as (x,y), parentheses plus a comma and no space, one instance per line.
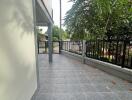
(125,95)
(109,96)
(118,87)
(69,79)
(88,88)
(80,96)
(93,96)
(44,97)
(102,88)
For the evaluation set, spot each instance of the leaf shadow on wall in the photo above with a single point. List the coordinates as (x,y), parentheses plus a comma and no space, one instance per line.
(23,15)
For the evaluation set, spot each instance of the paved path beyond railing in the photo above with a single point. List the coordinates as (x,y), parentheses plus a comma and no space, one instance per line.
(68,79)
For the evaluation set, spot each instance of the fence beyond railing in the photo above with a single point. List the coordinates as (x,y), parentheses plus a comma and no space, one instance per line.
(115,51)
(73,46)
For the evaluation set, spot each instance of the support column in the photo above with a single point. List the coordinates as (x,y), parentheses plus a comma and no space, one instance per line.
(50,42)
(60,26)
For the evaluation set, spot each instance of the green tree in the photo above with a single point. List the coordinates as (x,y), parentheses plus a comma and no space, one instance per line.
(99,17)
(56,33)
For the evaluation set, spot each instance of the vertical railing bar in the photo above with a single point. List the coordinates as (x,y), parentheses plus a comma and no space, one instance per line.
(116,56)
(113,52)
(128,55)
(103,48)
(38,47)
(98,54)
(124,54)
(131,63)
(121,53)
(69,45)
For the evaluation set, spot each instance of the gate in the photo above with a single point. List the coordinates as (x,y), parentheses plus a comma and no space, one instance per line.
(43,47)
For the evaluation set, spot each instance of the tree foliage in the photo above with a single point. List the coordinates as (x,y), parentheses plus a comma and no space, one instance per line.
(56,33)
(99,17)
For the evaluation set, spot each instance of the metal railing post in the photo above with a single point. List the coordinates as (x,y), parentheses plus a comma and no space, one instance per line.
(83,51)
(38,47)
(98,53)
(60,47)
(131,63)
(124,54)
(116,55)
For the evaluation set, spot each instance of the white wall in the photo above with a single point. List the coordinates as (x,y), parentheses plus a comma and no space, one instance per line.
(17,50)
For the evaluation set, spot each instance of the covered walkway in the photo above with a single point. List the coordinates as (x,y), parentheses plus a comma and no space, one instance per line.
(69,79)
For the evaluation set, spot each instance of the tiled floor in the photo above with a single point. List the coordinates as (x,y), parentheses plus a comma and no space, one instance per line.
(68,79)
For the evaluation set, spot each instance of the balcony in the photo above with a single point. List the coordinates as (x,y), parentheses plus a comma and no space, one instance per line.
(69,79)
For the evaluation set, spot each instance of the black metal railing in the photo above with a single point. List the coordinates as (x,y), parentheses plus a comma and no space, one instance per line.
(117,51)
(43,47)
(73,46)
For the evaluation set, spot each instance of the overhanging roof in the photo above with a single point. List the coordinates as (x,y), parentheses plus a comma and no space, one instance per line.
(43,18)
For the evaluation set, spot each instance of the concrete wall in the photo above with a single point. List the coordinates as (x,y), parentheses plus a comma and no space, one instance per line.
(17,50)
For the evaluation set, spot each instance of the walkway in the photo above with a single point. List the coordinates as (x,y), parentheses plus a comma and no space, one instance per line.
(68,79)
